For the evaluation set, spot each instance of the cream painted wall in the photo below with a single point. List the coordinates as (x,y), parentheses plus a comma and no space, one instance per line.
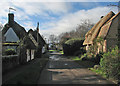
(32,54)
(28,55)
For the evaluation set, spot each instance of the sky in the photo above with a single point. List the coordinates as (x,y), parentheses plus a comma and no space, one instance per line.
(55,17)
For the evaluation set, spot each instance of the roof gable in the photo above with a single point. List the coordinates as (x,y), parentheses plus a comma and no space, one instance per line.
(29,44)
(33,40)
(105,29)
(19,30)
(11,36)
(37,37)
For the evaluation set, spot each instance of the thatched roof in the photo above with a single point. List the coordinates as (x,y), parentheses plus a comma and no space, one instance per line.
(18,29)
(35,34)
(104,30)
(29,44)
(93,33)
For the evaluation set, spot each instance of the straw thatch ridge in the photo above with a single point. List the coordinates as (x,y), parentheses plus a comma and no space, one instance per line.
(18,29)
(105,29)
(93,33)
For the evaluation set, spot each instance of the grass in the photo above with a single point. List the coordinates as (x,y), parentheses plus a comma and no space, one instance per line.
(52,50)
(61,52)
(57,51)
(90,66)
(98,71)
(28,74)
(76,58)
(86,64)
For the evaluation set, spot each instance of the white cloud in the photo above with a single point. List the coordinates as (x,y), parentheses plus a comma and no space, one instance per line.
(70,21)
(28,25)
(63,0)
(42,8)
(26,9)
(67,22)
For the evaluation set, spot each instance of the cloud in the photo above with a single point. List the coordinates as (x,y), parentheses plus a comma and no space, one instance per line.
(70,21)
(26,9)
(29,25)
(67,20)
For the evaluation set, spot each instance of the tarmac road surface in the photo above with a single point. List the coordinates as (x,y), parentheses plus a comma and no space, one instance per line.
(65,71)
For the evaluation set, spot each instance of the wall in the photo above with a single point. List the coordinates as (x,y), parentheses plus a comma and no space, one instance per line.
(9,62)
(32,54)
(112,36)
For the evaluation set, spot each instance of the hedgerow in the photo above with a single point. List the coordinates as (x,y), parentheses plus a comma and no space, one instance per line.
(73,46)
(110,63)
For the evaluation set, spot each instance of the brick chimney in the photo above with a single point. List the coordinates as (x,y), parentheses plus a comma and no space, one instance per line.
(10,18)
(37,27)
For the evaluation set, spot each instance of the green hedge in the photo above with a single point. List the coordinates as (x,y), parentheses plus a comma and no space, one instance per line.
(110,63)
(72,41)
(10,52)
(73,45)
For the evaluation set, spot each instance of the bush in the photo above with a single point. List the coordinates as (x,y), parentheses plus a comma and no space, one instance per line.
(72,41)
(110,63)
(91,57)
(98,57)
(84,57)
(10,52)
(72,45)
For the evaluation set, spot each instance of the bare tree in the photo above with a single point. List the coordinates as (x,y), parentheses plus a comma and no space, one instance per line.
(52,38)
(83,28)
(80,31)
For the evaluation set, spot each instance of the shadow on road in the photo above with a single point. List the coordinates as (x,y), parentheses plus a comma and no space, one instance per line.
(61,70)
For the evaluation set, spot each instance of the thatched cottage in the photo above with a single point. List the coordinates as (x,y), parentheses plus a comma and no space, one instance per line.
(38,41)
(27,45)
(12,33)
(104,34)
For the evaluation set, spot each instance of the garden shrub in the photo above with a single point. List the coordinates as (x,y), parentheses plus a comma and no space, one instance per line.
(84,57)
(98,57)
(10,52)
(110,63)
(92,57)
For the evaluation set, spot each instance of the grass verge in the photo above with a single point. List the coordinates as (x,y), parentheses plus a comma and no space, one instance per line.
(61,52)
(76,58)
(52,50)
(98,71)
(86,64)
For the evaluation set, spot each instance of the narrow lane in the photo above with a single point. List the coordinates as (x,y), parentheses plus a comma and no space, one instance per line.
(65,71)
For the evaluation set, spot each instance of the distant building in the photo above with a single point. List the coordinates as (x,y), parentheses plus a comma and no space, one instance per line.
(105,33)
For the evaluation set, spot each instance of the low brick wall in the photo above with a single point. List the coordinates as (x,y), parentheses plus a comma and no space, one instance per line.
(9,62)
